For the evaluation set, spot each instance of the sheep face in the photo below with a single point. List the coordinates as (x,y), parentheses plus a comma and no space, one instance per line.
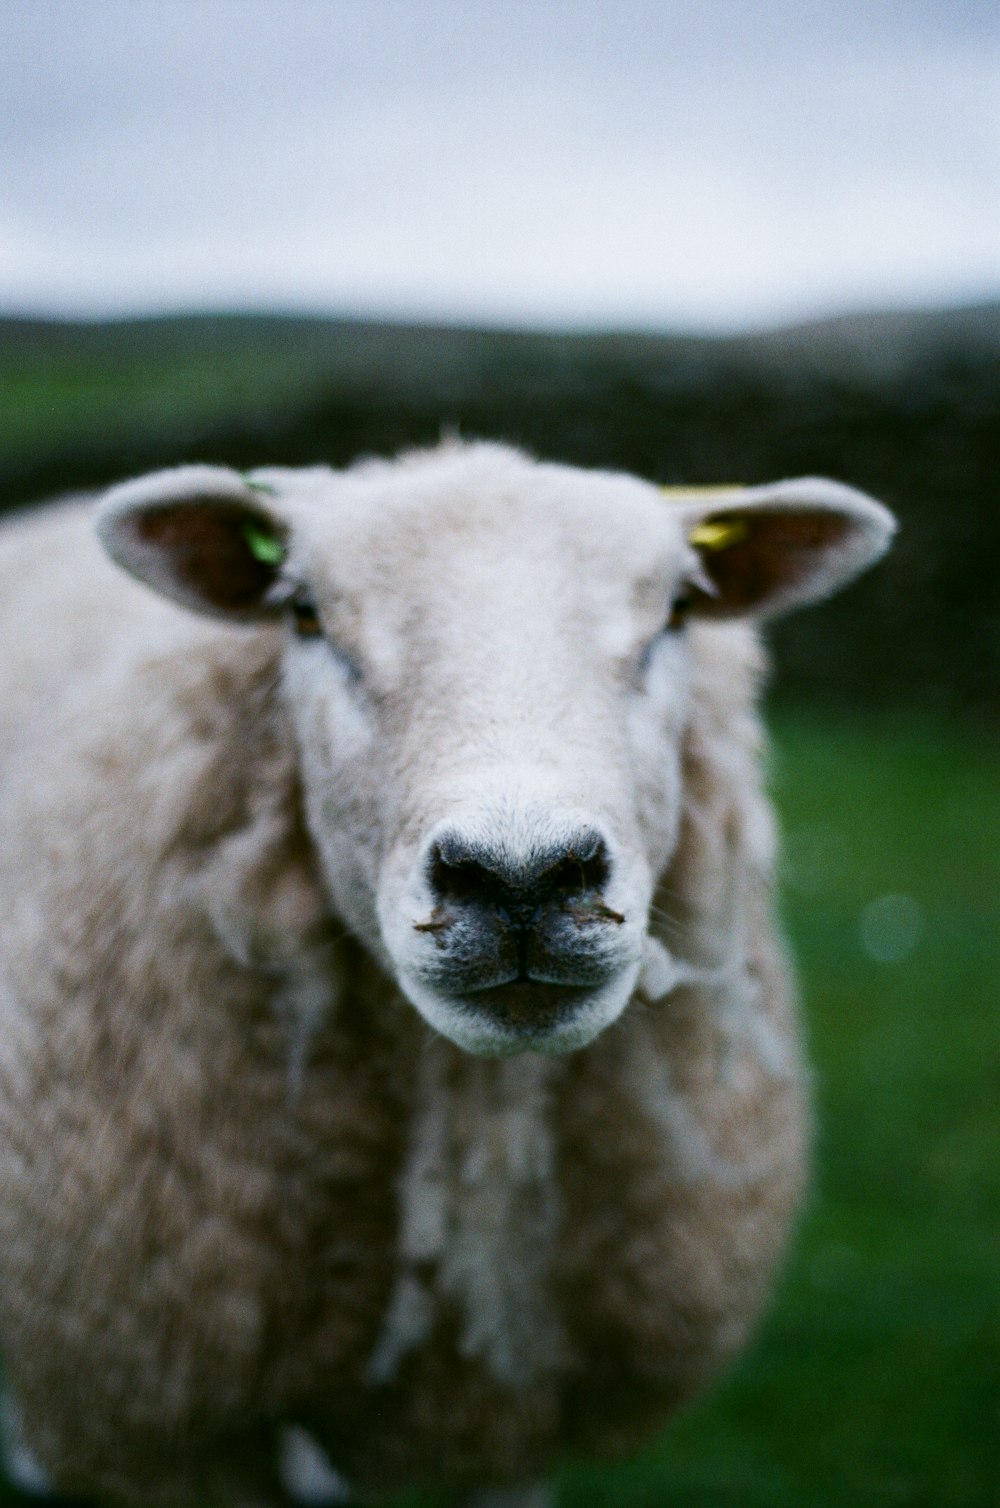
(491,753)
(488,665)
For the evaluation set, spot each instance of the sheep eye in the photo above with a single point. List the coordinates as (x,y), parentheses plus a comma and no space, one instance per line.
(680,608)
(306,619)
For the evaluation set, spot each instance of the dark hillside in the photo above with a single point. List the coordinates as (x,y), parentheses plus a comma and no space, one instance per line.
(906,406)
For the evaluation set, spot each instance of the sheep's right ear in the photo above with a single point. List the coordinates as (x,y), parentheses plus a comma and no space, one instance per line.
(203,535)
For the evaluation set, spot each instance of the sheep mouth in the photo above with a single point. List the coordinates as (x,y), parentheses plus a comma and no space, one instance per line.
(490,995)
(522,1014)
(529,1005)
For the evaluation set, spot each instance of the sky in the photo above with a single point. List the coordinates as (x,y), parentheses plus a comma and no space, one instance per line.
(655,164)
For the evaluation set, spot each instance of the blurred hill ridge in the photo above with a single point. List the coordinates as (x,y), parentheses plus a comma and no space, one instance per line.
(903,404)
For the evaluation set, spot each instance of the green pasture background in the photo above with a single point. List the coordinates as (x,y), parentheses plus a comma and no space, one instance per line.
(876,1376)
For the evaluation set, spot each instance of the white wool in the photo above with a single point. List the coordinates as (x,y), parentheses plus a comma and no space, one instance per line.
(272,1125)
(23,1469)
(306,1472)
(480,1208)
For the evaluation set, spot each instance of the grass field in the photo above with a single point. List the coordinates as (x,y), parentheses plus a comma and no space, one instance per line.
(86,387)
(877,1376)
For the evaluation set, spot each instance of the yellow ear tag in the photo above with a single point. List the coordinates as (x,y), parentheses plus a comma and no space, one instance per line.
(718,489)
(718,536)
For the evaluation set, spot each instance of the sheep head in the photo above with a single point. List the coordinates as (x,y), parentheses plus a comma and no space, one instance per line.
(487,662)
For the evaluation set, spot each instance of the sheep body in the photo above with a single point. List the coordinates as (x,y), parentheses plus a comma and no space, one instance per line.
(243,1190)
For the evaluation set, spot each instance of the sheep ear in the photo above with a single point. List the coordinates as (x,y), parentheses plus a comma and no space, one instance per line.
(764,550)
(203,535)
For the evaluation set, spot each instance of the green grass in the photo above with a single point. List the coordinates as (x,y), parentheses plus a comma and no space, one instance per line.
(85,388)
(67,387)
(876,1378)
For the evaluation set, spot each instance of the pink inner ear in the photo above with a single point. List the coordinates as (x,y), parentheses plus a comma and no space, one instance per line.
(777,552)
(203,546)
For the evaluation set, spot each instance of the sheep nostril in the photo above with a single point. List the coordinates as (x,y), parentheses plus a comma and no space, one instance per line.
(583,867)
(469,873)
(458,872)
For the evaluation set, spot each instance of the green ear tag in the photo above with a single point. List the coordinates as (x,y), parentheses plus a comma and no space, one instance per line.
(265,547)
(718,536)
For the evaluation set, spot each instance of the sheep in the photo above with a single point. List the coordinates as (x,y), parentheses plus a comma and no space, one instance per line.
(399,1074)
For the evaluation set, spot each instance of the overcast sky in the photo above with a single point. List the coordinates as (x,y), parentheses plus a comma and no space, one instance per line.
(601,162)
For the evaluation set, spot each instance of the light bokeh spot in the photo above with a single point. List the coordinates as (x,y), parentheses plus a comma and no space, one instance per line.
(891,927)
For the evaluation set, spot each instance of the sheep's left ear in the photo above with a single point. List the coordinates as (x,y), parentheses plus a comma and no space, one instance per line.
(206,536)
(764,550)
